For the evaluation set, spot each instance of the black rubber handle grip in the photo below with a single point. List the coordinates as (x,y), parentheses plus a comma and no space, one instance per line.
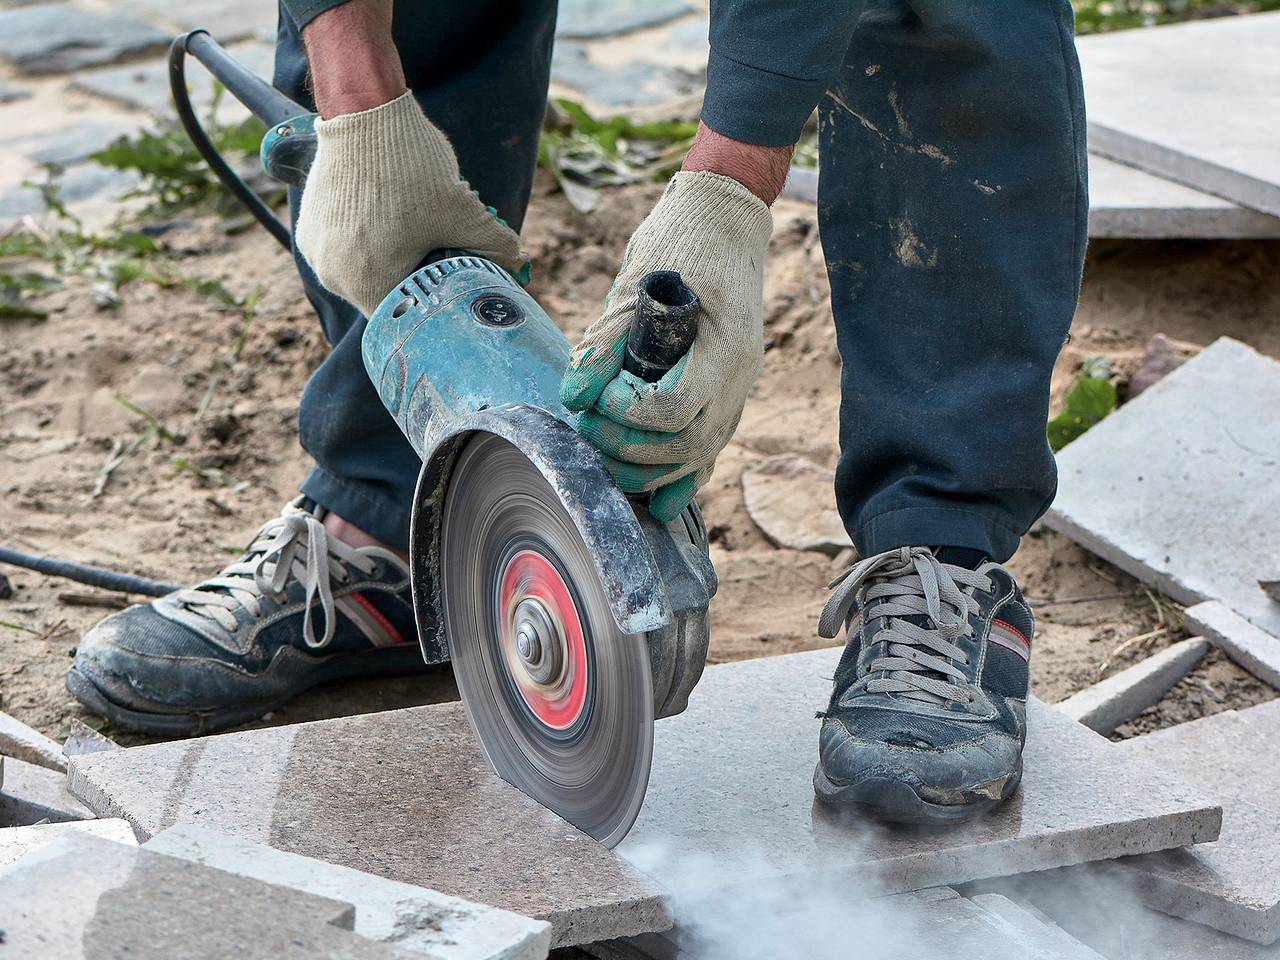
(663,326)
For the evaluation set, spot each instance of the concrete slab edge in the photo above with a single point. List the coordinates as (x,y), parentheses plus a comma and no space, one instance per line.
(1257,924)
(93,797)
(1250,646)
(1123,696)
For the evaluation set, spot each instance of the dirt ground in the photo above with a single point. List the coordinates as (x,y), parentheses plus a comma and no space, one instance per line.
(60,421)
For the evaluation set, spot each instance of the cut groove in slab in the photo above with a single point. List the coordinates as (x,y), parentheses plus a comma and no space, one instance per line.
(1194,102)
(403,794)
(731,786)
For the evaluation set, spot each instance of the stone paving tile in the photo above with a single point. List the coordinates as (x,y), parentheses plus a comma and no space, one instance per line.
(404,794)
(604,18)
(83,181)
(24,743)
(1122,696)
(61,37)
(1178,487)
(1096,905)
(82,897)
(732,778)
(227,20)
(413,918)
(31,794)
(1233,884)
(1255,650)
(84,739)
(17,842)
(1127,203)
(1163,100)
(633,83)
(145,86)
(792,500)
(72,143)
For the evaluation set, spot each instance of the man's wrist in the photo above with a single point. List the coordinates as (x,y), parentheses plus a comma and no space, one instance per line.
(353,58)
(762,170)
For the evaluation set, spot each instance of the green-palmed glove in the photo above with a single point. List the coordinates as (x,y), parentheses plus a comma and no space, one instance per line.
(385,191)
(664,437)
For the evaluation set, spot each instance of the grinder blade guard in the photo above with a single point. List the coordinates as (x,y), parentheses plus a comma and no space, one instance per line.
(572,617)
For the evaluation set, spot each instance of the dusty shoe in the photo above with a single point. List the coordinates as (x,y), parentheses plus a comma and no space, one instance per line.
(928,716)
(297,609)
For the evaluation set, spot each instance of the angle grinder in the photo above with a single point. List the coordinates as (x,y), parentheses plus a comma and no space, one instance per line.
(573,618)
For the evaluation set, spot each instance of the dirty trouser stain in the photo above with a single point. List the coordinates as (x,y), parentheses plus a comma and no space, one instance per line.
(480,71)
(953,209)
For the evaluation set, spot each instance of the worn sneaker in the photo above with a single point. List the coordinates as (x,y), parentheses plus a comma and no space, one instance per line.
(297,609)
(928,716)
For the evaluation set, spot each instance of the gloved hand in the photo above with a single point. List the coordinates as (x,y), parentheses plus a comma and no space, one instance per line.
(664,437)
(385,191)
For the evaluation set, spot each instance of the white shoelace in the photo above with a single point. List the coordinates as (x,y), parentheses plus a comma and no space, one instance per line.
(293,546)
(917,662)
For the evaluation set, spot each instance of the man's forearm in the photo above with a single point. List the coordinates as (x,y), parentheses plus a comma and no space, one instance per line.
(762,170)
(354,62)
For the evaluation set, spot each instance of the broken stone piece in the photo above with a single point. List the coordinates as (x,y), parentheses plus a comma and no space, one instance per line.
(1158,361)
(792,500)
(403,794)
(415,918)
(85,739)
(1122,696)
(61,37)
(83,898)
(16,842)
(1178,487)
(33,794)
(1255,650)
(756,822)
(21,742)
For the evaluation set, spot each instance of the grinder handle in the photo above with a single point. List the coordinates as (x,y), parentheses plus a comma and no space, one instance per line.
(663,326)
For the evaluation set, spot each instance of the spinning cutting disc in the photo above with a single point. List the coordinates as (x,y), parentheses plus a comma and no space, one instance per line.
(559,699)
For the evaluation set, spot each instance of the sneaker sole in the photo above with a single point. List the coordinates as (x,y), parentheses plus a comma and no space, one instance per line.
(894,801)
(191,723)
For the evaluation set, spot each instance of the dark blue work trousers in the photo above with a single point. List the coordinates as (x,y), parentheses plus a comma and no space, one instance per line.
(953,208)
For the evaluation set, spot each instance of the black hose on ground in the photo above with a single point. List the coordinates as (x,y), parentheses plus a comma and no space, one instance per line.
(87,574)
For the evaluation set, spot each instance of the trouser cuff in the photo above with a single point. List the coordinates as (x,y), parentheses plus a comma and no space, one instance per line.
(937,526)
(382,515)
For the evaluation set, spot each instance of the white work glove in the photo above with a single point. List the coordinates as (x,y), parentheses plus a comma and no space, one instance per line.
(664,437)
(384,192)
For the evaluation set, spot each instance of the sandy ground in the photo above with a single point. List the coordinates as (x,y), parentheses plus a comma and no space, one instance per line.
(161,349)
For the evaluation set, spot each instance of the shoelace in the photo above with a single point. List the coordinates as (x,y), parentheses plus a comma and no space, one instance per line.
(915,661)
(293,546)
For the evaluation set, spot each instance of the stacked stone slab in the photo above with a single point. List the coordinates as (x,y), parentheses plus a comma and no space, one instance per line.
(1122,696)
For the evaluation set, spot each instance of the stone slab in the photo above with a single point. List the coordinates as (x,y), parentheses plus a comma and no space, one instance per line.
(1178,486)
(606,18)
(633,83)
(1255,650)
(1096,905)
(32,794)
(793,502)
(9,94)
(1122,696)
(61,37)
(70,144)
(1186,101)
(228,20)
(731,788)
(22,742)
(1232,885)
(83,897)
(908,926)
(414,918)
(17,842)
(403,794)
(84,181)
(84,739)
(1128,203)
(145,86)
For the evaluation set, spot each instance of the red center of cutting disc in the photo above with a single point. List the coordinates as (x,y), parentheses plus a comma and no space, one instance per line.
(531,575)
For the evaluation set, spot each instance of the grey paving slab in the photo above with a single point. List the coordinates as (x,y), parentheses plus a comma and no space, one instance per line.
(84,181)
(83,897)
(634,83)
(25,743)
(1254,649)
(1187,101)
(603,18)
(145,86)
(84,739)
(17,842)
(1178,487)
(908,926)
(732,781)
(1128,203)
(1096,904)
(72,143)
(1122,696)
(32,794)
(8,93)
(1233,884)
(61,37)
(793,502)
(227,20)
(414,918)
(404,794)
